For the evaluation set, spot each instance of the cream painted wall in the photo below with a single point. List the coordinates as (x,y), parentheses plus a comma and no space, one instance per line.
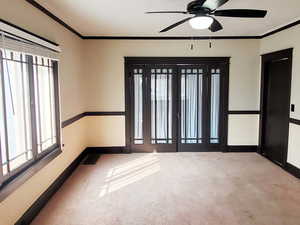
(294,145)
(92,79)
(243,129)
(105,131)
(289,39)
(71,78)
(13,207)
(104,70)
(70,66)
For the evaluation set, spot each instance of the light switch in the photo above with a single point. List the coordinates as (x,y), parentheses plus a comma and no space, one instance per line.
(293,108)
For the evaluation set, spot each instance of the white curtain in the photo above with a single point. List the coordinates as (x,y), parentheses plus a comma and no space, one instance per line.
(191,106)
(161,107)
(138,106)
(215,106)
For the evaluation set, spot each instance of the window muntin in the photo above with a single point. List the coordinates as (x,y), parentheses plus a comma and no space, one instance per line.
(29,121)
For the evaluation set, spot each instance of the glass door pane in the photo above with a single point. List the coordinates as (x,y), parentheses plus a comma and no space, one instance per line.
(153,109)
(191,105)
(161,106)
(215,106)
(138,76)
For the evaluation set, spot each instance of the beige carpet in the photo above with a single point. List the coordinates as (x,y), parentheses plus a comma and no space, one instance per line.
(176,189)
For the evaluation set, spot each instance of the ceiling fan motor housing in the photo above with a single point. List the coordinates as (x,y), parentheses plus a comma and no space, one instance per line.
(195,7)
(204,11)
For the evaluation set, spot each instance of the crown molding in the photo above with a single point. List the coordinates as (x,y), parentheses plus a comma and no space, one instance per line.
(167,37)
(20,34)
(58,20)
(282,28)
(52,16)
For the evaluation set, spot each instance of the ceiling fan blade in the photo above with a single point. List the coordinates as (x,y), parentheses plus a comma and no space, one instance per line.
(175,24)
(181,12)
(247,13)
(215,26)
(214,4)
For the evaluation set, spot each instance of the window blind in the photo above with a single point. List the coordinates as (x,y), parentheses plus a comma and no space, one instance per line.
(14,43)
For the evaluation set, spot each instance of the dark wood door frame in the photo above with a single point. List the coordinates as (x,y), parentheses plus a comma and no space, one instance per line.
(180,61)
(267,58)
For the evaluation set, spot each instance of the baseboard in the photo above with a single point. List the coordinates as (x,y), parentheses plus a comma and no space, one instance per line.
(292,170)
(38,205)
(242,148)
(122,149)
(107,150)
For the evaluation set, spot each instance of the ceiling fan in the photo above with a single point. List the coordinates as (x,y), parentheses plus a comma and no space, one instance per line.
(203,12)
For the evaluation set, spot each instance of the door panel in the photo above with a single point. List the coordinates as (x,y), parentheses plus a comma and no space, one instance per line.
(137,99)
(277,110)
(192,107)
(162,102)
(161,106)
(138,106)
(200,107)
(153,116)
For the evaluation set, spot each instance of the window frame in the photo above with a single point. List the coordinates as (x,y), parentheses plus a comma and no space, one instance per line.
(13,179)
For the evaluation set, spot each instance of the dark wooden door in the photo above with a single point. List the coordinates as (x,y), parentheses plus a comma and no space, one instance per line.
(161,106)
(277,101)
(176,104)
(201,112)
(153,103)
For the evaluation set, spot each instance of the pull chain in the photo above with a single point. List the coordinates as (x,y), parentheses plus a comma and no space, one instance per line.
(192,44)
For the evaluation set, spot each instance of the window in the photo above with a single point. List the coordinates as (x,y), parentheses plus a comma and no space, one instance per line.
(44,103)
(29,110)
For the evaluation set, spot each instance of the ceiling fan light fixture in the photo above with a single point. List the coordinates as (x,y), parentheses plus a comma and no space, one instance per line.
(201,22)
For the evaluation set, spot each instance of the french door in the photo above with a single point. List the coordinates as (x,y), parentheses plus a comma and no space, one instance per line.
(176,104)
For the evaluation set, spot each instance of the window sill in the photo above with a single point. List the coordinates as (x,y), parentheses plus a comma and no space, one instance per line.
(27,173)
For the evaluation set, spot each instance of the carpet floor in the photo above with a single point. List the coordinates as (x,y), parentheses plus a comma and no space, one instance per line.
(176,189)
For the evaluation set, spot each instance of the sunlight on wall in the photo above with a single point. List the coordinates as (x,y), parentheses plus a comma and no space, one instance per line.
(128,173)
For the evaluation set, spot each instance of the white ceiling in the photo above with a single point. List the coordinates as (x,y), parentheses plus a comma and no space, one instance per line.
(127,18)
